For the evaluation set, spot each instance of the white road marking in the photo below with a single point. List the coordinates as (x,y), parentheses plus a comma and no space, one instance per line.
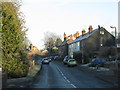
(21,86)
(62,74)
(66,78)
(68,81)
(74,86)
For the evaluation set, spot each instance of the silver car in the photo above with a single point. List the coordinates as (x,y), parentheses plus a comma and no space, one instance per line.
(72,62)
(65,59)
(45,61)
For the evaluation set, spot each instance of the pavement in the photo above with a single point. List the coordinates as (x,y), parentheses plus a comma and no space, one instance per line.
(25,81)
(105,75)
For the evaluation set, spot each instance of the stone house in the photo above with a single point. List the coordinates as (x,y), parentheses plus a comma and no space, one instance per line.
(92,41)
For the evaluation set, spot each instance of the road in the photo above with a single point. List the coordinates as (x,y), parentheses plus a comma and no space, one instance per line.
(58,75)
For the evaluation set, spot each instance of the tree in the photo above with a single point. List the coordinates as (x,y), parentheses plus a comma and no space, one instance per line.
(58,42)
(0,35)
(51,40)
(14,57)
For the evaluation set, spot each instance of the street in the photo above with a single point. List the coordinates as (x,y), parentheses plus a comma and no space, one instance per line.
(58,75)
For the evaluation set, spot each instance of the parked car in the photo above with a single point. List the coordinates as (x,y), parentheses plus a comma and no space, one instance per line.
(97,62)
(45,61)
(72,62)
(56,57)
(52,57)
(65,60)
(49,59)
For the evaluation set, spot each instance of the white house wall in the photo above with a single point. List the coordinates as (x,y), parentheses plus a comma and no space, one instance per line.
(73,48)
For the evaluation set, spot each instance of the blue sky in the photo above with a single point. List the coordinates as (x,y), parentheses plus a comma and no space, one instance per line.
(68,16)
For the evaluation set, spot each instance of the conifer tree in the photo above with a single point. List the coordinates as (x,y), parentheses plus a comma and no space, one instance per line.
(14,57)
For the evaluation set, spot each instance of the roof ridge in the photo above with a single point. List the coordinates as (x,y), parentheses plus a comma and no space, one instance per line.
(84,36)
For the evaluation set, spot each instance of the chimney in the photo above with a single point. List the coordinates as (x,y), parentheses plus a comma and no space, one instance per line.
(77,34)
(83,32)
(71,37)
(65,36)
(98,26)
(90,29)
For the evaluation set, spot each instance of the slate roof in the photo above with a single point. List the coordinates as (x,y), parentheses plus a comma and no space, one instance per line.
(65,42)
(84,37)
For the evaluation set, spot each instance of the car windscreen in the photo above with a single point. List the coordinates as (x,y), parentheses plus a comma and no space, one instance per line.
(71,60)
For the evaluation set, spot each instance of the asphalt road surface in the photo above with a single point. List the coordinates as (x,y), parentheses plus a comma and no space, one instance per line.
(58,75)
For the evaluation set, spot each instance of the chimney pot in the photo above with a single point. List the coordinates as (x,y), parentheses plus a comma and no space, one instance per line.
(98,26)
(77,34)
(83,32)
(65,36)
(71,37)
(90,29)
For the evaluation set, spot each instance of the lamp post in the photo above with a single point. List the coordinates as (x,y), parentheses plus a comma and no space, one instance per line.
(115,64)
(115,39)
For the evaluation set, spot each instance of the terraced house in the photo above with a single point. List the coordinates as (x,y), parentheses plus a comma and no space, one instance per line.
(63,47)
(91,43)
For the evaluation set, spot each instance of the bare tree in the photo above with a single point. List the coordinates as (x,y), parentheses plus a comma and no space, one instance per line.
(51,40)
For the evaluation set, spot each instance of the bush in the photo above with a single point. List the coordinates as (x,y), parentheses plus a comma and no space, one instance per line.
(86,55)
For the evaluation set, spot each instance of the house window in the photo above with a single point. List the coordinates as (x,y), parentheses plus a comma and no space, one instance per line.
(69,46)
(78,43)
(75,45)
(101,41)
(72,45)
(102,32)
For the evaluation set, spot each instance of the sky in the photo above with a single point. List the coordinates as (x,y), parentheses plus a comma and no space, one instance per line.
(67,16)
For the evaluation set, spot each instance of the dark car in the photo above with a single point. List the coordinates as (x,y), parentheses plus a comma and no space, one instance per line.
(56,57)
(97,62)
(51,57)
